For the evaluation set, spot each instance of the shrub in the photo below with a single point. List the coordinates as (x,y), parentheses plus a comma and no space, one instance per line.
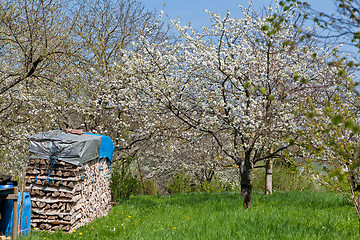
(180,183)
(184,183)
(150,187)
(123,183)
(216,186)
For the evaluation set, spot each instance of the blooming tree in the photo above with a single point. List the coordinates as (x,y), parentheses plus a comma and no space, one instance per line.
(102,31)
(177,151)
(56,70)
(33,43)
(240,82)
(333,148)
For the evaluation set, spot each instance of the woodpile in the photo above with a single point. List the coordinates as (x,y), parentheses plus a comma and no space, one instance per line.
(66,196)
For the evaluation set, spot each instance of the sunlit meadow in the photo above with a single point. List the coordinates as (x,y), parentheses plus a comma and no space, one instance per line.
(289,215)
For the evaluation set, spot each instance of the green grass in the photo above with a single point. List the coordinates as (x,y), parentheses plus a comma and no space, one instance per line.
(288,215)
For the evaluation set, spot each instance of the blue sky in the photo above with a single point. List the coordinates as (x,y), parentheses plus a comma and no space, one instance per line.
(193,10)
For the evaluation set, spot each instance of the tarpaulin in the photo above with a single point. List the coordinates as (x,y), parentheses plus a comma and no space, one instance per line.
(6,209)
(106,147)
(71,148)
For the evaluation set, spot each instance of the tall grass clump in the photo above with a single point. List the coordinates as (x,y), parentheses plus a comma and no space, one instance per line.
(150,188)
(182,182)
(286,177)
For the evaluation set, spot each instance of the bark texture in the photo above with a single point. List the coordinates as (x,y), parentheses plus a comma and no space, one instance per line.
(246,180)
(268,177)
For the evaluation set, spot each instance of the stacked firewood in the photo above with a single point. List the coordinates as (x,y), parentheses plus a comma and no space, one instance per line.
(66,196)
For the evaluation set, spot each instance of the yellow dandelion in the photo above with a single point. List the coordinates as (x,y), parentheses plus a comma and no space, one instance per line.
(92,227)
(74,230)
(80,233)
(125,219)
(44,237)
(129,216)
(123,213)
(174,227)
(87,226)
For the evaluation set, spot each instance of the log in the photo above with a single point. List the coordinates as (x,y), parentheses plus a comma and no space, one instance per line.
(73,196)
(41,204)
(68,207)
(52,189)
(66,228)
(55,194)
(55,178)
(68,195)
(70,184)
(51,200)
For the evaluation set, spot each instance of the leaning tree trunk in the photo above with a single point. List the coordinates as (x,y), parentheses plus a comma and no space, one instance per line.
(246,180)
(268,177)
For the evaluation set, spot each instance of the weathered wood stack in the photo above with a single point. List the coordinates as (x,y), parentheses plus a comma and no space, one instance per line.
(70,196)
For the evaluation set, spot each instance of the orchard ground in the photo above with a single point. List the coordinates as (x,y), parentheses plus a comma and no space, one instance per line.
(283,215)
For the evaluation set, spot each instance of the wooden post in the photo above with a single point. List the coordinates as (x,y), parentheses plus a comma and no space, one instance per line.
(15,216)
(20,213)
(141,177)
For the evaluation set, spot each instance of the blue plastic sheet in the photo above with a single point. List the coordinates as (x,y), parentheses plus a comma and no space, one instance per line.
(106,147)
(6,208)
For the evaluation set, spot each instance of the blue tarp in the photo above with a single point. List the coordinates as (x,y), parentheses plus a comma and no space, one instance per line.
(6,208)
(106,147)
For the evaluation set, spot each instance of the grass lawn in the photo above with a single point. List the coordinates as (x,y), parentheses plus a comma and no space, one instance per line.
(288,215)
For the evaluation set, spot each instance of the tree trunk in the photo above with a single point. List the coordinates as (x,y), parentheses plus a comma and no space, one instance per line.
(246,180)
(268,177)
(358,213)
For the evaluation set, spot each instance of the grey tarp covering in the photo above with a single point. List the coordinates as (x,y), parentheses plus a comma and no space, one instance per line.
(67,147)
